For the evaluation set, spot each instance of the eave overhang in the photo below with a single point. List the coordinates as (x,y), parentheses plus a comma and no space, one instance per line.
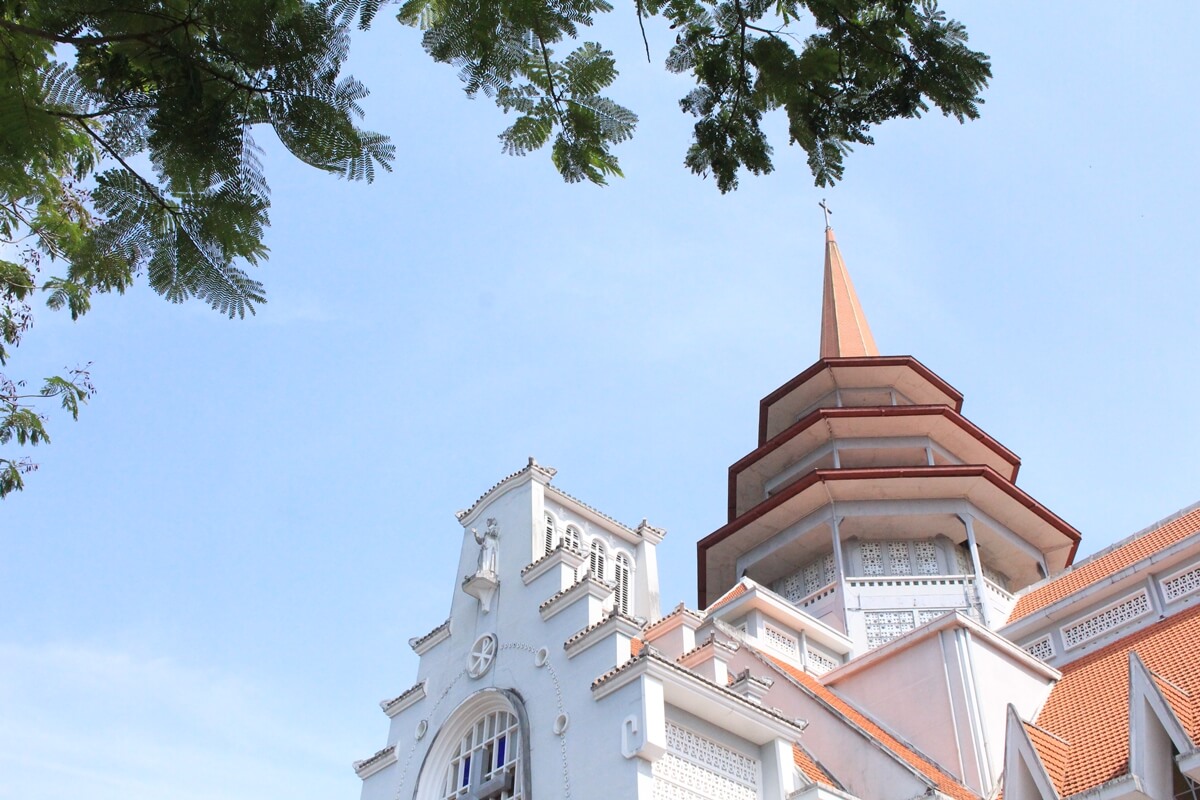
(904,373)
(780,610)
(940,423)
(718,704)
(980,485)
(955,619)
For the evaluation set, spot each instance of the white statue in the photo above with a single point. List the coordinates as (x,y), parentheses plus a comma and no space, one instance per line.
(489,545)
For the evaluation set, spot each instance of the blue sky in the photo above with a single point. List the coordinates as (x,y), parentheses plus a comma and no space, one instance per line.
(213,577)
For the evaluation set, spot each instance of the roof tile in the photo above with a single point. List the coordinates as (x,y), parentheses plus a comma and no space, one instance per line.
(737,591)
(811,768)
(1089,707)
(1099,567)
(1053,752)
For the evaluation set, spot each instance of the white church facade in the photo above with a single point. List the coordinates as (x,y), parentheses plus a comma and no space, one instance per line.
(884,616)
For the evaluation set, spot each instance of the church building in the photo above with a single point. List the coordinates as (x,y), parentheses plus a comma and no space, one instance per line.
(885,615)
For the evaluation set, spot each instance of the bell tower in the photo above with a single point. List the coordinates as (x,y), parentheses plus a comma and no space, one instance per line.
(870,502)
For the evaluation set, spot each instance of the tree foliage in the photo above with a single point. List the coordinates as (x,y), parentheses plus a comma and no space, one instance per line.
(127,148)
(127,126)
(835,68)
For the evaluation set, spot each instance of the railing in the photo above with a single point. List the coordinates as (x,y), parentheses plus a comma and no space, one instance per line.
(818,603)
(911,580)
(819,594)
(1001,601)
(958,591)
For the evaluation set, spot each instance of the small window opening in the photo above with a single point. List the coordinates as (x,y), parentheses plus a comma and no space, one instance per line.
(597,558)
(621,579)
(548,541)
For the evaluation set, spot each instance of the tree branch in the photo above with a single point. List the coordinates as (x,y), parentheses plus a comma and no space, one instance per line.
(158,198)
(16,27)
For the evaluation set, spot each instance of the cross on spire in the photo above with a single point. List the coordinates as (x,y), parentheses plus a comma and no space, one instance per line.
(825,208)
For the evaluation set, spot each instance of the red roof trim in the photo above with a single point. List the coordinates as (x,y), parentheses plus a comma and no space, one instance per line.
(861,361)
(799,426)
(875,473)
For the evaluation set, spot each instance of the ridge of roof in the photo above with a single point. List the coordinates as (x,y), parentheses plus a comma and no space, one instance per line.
(1052,750)
(1181,701)
(813,769)
(532,466)
(1109,561)
(680,610)
(737,591)
(593,509)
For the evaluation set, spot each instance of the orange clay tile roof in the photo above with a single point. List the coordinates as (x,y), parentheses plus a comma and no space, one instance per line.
(1053,752)
(811,768)
(946,783)
(1089,707)
(1160,536)
(737,591)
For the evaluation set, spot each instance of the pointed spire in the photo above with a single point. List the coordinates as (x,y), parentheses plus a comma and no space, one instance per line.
(844,328)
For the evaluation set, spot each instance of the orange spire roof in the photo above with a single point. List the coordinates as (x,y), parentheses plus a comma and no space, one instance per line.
(844,329)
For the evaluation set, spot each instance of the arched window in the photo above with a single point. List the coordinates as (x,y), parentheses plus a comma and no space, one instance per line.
(482,751)
(574,538)
(621,571)
(597,558)
(548,539)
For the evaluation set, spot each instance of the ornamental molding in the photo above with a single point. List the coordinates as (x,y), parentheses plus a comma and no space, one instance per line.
(423,644)
(680,615)
(482,656)
(701,697)
(574,506)
(612,624)
(382,759)
(563,554)
(650,533)
(587,586)
(532,471)
(409,697)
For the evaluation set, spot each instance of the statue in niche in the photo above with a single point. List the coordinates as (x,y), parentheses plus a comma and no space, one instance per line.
(489,546)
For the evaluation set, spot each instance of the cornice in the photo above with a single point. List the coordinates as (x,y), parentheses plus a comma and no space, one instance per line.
(587,586)
(532,471)
(593,634)
(423,644)
(769,721)
(369,766)
(563,554)
(409,697)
